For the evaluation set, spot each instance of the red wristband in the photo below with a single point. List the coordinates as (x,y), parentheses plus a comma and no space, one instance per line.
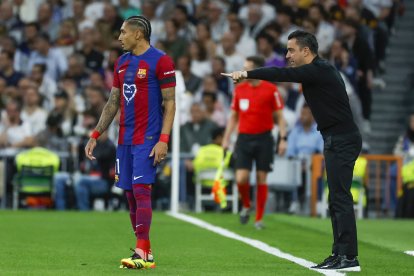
(95,134)
(164,138)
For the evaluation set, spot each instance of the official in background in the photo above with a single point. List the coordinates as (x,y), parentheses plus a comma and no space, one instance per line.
(324,91)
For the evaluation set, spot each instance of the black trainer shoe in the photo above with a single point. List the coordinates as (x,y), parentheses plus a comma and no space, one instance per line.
(327,261)
(244,215)
(341,263)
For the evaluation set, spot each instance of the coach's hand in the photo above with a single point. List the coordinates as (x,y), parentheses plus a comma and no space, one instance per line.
(236,76)
(90,146)
(159,152)
(281,149)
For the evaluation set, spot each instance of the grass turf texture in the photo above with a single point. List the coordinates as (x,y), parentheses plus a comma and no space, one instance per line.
(72,243)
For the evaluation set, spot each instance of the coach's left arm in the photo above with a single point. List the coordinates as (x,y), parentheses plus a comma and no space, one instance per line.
(161,148)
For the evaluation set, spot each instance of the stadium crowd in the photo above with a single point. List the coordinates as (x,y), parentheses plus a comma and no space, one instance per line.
(57,59)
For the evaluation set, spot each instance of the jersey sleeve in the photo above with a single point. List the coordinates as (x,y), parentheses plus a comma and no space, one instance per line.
(278,102)
(115,82)
(235,101)
(165,72)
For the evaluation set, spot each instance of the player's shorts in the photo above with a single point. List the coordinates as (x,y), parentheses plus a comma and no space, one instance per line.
(255,147)
(134,166)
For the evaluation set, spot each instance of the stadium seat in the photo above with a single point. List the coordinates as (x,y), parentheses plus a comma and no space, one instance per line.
(33,182)
(200,197)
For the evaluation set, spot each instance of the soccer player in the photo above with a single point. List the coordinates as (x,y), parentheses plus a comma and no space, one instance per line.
(325,93)
(255,106)
(144,90)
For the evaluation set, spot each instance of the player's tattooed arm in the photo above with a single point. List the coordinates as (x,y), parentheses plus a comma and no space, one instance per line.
(168,96)
(109,111)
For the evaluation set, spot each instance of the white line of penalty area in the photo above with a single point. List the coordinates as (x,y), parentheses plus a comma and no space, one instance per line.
(254,243)
(409,253)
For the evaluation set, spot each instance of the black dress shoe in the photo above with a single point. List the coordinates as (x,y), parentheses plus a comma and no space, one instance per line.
(327,261)
(341,263)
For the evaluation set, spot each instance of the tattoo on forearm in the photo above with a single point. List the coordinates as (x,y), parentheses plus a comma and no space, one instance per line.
(168,94)
(109,111)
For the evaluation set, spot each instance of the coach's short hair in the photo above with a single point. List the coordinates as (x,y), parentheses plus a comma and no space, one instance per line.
(142,23)
(258,61)
(305,39)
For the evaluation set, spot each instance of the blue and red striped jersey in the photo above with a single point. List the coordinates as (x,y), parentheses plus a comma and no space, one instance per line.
(140,80)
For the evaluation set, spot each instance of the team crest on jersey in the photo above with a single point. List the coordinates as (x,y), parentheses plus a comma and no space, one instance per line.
(142,73)
(129,91)
(244,104)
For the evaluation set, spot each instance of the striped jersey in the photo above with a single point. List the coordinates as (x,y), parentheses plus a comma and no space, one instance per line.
(140,80)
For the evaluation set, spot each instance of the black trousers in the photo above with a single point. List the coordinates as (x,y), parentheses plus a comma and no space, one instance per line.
(340,153)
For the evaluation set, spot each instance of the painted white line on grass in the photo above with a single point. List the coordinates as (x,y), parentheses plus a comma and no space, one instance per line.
(254,243)
(409,253)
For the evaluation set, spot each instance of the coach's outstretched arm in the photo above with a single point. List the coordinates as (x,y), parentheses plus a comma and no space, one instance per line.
(108,114)
(161,148)
(301,74)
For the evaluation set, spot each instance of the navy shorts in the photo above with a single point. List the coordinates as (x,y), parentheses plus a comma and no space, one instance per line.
(134,166)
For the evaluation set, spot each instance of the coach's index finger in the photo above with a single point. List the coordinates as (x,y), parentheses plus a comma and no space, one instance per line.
(230,75)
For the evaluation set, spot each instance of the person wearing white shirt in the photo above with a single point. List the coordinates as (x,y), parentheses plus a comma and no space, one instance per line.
(227,49)
(53,58)
(268,11)
(244,43)
(47,86)
(325,32)
(32,113)
(200,64)
(217,19)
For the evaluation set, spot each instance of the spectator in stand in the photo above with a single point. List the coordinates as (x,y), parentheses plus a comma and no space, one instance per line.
(210,86)
(258,13)
(45,20)
(303,141)
(325,32)
(113,55)
(7,71)
(214,111)
(67,37)
(175,46)
(244,43)
(200,64)
(341,58)
(96,79)
(217,19)
(227,50)
(53,58)
(225,85)
(93,58)
(157,25)
(77,70)
(285,21)
(275,31)
(298,12)
(26,46)
(186,29)
(33,114)
(9,20)
(126,10)
(192,82)
(47,86)
(95,99)
(52,137)
(64,108)
(203,35)
(78,10)
(265,48)
(112,20)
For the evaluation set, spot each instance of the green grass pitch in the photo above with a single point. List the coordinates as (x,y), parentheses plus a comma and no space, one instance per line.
(73,243)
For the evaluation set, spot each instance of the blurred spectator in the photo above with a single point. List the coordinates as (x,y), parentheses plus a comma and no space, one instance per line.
(192,82)
(186,29)
(53,58)
(67,37)
(265,48)
(214,111)
(78,9)
(45,20)
(257,13)
(197,132)
(33,114)
(210,86)
(63,107)
(200,64)
(77,70)
(13,132)
(113,55)
(298,13)
(405,144)
(52,137)
(244,43)
(95,99)
(157,25)
(325,32)
(224,84)
(26,46)
(285,21)
(217,19)
(203,34)
(112,20)
(126,10)
(47,86)
(12,22)
(96,79)
(303,141)
(275,31)
(227,49)
(7,71)
(175,46)
(361,51)
(309,26)
(344,61)
(93,58)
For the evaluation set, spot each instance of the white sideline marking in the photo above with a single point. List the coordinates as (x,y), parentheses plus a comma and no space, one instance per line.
(254,243)
(409,253)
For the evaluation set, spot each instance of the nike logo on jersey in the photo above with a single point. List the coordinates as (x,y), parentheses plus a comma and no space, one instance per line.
(122,70)
(138,177)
